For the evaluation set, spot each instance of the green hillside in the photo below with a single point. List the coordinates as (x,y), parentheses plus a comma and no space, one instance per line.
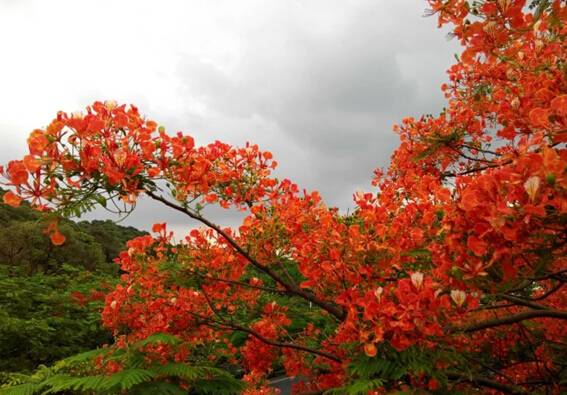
(51,297)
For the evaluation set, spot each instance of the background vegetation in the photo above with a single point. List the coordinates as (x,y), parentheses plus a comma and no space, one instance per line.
(51,297)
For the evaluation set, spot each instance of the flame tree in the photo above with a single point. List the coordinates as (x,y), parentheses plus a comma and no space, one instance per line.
(449,275)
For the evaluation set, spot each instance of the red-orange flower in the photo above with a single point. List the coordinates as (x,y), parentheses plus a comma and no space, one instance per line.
(17,172)
(57,238)
(12,199)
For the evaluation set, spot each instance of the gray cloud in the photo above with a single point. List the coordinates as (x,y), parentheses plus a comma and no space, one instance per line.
(333,95)
(318,83)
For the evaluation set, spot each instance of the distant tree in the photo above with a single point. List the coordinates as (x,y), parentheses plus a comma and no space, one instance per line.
(24,241)
(25,245)
(44,318)
(10,214)
(111,236)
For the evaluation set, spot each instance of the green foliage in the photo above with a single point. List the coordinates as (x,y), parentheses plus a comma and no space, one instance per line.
(111,236)
(41,321)
(217,386)
(158,387)
(75,374)
(359,387)
(25,245)
(164,338)
(22,389)
(10,214)
(392,366)
(46,312)
(92,245)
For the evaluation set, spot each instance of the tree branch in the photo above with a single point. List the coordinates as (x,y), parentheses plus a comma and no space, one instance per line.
(477,169)
(471,147)
(550,292)
(331,308)
(282,345)
(243,284)
(223,324)
(512,319)
(485,382)
(232,326)
(522,302)
(555,275)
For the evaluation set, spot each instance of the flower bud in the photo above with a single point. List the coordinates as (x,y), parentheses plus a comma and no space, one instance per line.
(490,27)
(531,186)
(378,292)
(370,350)
(458,297)
(417,279)
(504,4)
(110,104)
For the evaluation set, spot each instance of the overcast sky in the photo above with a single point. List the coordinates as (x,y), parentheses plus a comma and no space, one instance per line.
(318,83)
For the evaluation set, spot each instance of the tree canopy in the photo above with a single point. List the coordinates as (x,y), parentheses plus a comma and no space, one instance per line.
(449,275)
(24,244)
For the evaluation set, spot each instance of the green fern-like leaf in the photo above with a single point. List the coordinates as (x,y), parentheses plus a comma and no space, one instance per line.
(86,356)
(21,389)
(129,378)
(72,375)
(157,387)
(164,338)
(218,386)
(205,379)
(188,372)
(121,381)
(61,383)
(359,387)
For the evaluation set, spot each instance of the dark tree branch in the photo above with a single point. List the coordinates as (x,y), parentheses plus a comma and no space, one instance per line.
(293,289)
(485,382)
(465,156)
(476,169)
(471,147)
(522,302)
(494,307)
(282,345)
(221,323)
(515,301)
(550,292)
(513,319)
(493,370)
(243,284)
(555,275)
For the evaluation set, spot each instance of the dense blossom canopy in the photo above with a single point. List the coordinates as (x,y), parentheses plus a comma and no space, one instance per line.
(455,258)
